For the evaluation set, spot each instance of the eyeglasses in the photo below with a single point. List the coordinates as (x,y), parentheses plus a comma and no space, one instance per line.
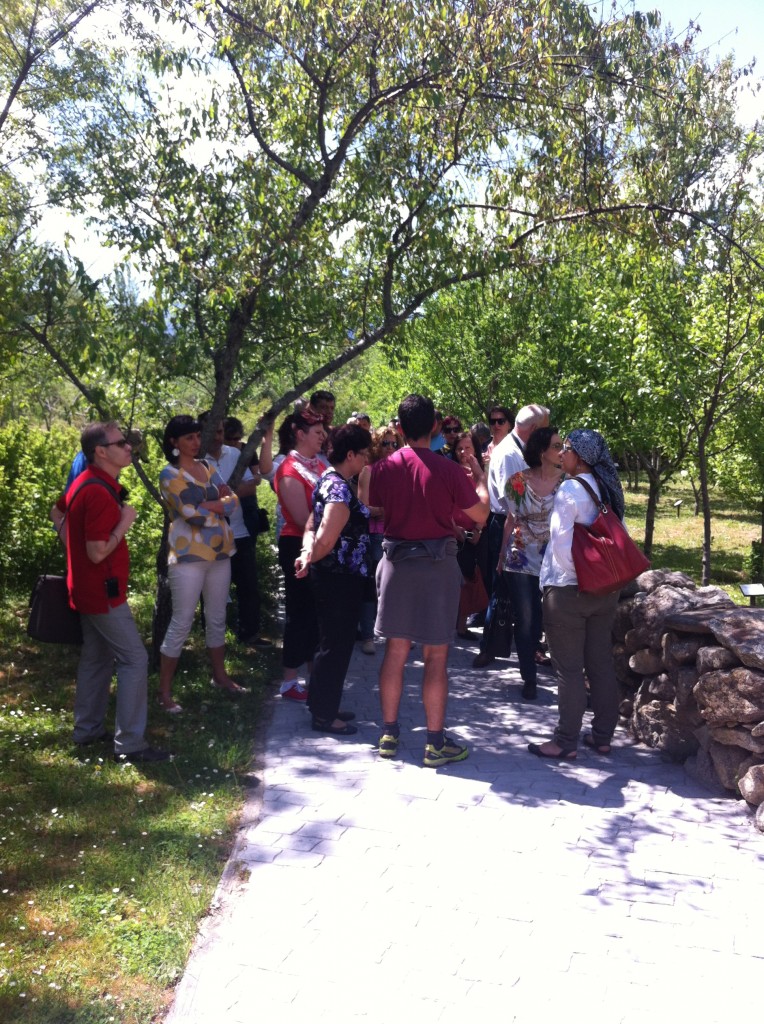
(567,448)
(497,420)
(122,443)
(557,447)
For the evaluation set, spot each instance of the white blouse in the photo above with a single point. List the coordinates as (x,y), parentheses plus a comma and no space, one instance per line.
(572,504)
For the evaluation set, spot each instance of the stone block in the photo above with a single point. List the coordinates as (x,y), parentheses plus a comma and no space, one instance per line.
(646,662)
(737,736)
(751,784)
(732,695)
(727,761)
(657,725)
(680,649)
(742,631)
(711,659)
(636,639)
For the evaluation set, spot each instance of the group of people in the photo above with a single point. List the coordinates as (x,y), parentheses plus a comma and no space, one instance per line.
(378,531)
(534,483)
(210,545)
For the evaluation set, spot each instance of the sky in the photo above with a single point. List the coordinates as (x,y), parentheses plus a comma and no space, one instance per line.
(726,25)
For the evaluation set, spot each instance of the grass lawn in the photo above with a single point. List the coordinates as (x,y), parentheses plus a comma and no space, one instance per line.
(105,869)
(678,538)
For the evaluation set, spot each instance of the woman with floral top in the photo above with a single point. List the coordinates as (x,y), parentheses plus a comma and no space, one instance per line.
(336,549)
(530,494)
(200,544)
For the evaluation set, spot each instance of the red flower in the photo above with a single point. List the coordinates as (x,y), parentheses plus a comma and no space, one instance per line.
(517,483)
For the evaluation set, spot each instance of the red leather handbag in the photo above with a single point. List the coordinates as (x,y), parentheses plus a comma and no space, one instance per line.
(605,556)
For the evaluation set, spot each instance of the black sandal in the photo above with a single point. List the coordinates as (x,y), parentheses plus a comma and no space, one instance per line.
(320,725)
(565,754)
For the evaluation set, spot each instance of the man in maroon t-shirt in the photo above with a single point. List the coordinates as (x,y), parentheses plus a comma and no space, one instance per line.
(98,564)
(418,578)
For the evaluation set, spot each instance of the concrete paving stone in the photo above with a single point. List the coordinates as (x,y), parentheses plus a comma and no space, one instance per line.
(253,853)
(297,858)
(297,841)
(281,823)
(535,876)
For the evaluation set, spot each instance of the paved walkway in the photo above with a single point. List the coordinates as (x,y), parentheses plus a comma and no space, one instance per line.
(501,889)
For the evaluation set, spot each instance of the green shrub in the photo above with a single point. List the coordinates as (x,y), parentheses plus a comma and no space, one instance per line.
(753,563)
(34,465)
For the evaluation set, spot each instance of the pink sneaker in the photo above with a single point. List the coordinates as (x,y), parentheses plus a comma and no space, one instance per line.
(295,692)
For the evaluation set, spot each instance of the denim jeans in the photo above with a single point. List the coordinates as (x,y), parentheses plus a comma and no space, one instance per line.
(495,533)
(526,616)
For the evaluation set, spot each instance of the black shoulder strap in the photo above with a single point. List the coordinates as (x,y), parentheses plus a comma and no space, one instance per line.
(87,483)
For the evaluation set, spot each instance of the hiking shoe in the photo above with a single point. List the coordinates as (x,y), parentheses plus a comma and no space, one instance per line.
(434,757)
(388,745)
(295,692)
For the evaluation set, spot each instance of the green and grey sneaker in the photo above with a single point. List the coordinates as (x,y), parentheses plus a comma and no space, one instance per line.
(388,745)
(434,757)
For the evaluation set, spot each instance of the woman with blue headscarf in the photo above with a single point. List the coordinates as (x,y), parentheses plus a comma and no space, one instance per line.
(578,626)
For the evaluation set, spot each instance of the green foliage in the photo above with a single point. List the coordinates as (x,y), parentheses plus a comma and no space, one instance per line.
(753,564)
(33,468)
(34,465)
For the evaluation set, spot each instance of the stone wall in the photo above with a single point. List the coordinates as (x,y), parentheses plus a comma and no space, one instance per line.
(690,664)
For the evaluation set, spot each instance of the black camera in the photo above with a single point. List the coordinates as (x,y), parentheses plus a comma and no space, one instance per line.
(112,586)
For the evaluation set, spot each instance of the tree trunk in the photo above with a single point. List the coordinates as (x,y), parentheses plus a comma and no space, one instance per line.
(653,494)
(162,614)
(705,570)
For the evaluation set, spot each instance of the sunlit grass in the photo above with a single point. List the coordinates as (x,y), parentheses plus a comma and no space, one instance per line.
(106,869)
(678,537)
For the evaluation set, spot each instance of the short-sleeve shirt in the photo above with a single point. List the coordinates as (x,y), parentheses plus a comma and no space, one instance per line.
(92,516)
(350,555)
(530,531)
(420,491)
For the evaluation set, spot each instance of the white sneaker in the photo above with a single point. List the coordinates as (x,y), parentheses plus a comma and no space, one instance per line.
(367,646)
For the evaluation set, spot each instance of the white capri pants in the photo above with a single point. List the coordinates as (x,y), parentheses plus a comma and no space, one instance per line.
(187,581)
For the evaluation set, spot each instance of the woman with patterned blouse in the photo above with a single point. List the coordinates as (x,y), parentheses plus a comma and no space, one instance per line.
(200,548)
(336,549)
(530,494)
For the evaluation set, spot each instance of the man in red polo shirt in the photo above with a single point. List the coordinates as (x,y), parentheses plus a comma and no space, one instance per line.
(418,578)
(98,564)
